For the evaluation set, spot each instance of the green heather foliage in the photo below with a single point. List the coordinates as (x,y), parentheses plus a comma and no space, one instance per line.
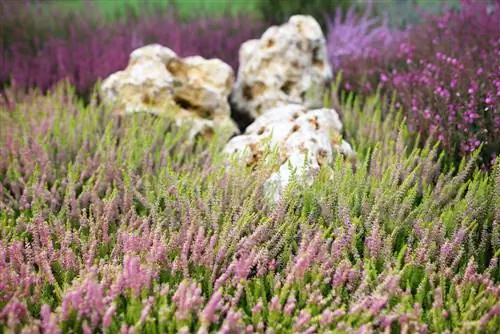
(119,224)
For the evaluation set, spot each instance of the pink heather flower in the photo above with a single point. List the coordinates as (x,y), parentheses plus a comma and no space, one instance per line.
(127,330)
(134,276)
(148,304)
(302,320)
(184,330)
(374,242)
(224,277)
(493,312)
(326,317)
(438,298)
(237,296)
(165,289)
(87,299)
(290,305)
(232,322)
(275,304)
(272,265)
(14,310)
(470,271)
(208,315)
(341,275)
(49,320)
(378,303)
(86,329)
(202,330)
(386,321)
(365,329)
(310,330)
(338,313)
(391,283)
(306,257)
(258,307)
(108,315)
(187,299)
(243,266)
(199,245)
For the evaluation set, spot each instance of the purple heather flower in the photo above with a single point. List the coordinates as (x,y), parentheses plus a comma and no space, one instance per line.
(302,320)
(275,304)
(108,316)
(326,317)
(208,315)
(187,299)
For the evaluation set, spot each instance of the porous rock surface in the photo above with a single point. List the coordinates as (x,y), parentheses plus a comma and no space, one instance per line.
(157,81)
(302,137)
(288,64)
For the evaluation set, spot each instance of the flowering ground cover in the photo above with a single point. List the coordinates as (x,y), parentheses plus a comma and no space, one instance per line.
(122,224)
(83,48)
(445,71)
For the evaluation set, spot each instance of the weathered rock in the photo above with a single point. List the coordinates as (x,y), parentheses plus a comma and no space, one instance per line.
(156,80)
(302,136)
(288,64)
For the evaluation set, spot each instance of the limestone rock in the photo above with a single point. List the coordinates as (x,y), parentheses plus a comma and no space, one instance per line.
(288,64)
(156,80)
(302,136)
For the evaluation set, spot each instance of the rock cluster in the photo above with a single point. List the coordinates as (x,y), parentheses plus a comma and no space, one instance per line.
(281,82)
(306,139)
(156,80)
(288,64)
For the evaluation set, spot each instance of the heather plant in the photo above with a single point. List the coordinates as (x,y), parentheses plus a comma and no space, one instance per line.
(444,77)
(361,47)
(451,83)
(120,224)
(91,49)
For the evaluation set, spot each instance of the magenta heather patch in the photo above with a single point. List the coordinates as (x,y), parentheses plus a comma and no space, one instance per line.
(450,84)
(91,49)
(445,78)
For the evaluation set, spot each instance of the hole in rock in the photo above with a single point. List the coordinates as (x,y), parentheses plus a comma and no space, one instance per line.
(287,87)
(147,99)
(176,68)
(318,63)
(315,54)
(247,92)
(242,118)
(270,43)
(185,104)
(314,122)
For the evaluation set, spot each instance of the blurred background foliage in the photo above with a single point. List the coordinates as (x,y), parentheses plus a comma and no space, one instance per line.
(446,79)
(400,12)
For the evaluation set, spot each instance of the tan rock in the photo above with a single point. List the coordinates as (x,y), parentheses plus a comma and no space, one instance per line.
(156,80)
(288,64)
(306,139)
